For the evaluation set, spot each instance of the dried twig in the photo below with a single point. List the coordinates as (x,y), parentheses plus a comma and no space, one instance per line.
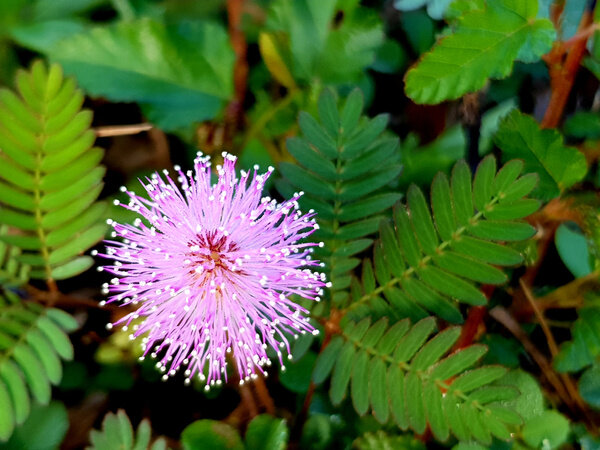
(122,130)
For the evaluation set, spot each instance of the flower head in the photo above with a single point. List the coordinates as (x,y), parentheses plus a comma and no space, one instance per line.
(212,268)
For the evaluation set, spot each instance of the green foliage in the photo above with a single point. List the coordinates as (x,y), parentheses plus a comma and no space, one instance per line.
(436,260)
(484,45)
(584,348)
(340,169)
(380,440)
(400,373)
(109,62)
(32,342)
(263,432)
(435,8)
(572,247)
(49,174)
(559,166)
(117,433)
(308,42)
(44,429)
(548,430)
(589,386)
(12,272)
(583,125)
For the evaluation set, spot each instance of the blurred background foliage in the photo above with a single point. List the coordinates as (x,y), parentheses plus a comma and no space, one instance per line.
(165,78)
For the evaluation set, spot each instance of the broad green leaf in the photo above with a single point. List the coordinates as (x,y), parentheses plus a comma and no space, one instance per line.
(484,45)
(44,429)
(589,386)
(317,48)
(550,428)
(122,67)
(573,249)
(584,348)
(368,206)
(530,401)
(211,434)
(543,151)
(266,432)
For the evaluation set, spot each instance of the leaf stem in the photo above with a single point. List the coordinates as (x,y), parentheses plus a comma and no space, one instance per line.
(562,74)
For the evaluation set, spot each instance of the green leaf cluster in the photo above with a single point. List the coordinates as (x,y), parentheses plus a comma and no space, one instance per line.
(402,374)
(263,432)
(484,44)
(117,432)
(341,172)
(584,348)
(427,262)
(118,62)
(50,175)
(32,343)
(544,153)
(12,272)
(305,38)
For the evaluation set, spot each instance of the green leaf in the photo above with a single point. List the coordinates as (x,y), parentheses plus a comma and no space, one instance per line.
(211,434)
(573,249)
(72,268)
(266,432)
(318,47)
(45,428)
(378,391)
(589,386)
(550,428)
(171,96)
(484,45)
(584,348)
(543,151)
(117,432)
(326,360)
(530,402)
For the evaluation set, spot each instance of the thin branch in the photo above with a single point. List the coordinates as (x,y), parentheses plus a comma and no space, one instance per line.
(122,130)
(540,317)
(503,316)
(562,74)
(263,395)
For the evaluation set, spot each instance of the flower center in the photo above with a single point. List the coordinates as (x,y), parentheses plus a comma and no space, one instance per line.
(210,251)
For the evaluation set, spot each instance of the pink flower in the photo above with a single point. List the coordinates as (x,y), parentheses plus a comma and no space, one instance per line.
(214,273)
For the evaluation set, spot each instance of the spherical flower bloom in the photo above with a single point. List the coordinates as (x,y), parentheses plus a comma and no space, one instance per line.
(213,268)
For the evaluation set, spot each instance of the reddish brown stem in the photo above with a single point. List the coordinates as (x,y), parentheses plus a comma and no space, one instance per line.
(471,327)
(562,74)
(263,395)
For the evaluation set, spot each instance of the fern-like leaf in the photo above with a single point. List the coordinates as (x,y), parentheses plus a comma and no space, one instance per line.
(32,343)
(50,175)
(12,272)
(117,433)
(484,45)
(380,440)
(340,169)
(400,373)
(426,262)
